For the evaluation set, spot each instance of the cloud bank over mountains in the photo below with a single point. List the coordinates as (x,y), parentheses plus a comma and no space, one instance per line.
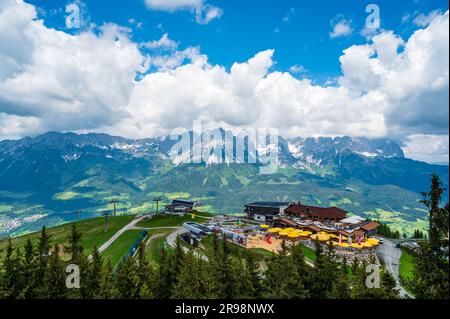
(100,80)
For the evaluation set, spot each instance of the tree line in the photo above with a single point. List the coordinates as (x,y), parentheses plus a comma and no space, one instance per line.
(37,272)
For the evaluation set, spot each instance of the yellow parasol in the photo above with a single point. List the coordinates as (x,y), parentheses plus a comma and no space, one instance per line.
(283,233)
(274,230)
(264,226)
(373,241)
(345,245)
(289,229)
(304,233)
(320,237)
(367,245)
(293,235)
(333,236)
(356,245)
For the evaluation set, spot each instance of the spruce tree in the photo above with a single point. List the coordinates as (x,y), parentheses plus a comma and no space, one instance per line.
(126,280)
(74,248)
(94,275)
(253,270)
(108,288)
(29,268)
(144,273)
(9,288)
(43,252)
(55,276)
(431,266)
(163,278)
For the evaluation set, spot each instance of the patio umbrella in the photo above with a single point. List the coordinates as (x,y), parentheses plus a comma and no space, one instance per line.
(264,226)
(293,235)
(283,233)
(367,245)
(289,229)
(274,230)
(320,237)
(345,245)
(356,245)
(373,241)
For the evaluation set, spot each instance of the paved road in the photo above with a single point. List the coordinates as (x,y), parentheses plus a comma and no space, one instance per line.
(172,238)
(391,257)
(129,226)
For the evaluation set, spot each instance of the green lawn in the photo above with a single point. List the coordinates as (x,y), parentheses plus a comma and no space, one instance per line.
(92,230)
(309,253)
(120,246)
(406,264)
(154,248)
(163,220)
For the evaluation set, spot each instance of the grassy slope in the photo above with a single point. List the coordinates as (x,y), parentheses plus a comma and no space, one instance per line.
(309,253)
(406,264)
(92,230)
(121,246)
(154,248)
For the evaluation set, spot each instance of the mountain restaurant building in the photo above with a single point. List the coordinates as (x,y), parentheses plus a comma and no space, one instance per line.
(266,211)
(328,214)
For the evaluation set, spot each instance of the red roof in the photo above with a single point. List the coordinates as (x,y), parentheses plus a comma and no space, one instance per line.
(286,221)
(370,226)
(330,212)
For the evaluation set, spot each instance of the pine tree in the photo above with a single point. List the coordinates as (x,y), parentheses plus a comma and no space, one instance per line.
(252,268)
(126,280)
(43,253)
(55,277)
(8,288)
(75,249)
(94,274)
(341,287)
(302,270)
(389,286)
(29,268)
(431,266)
(196,280)
(107,285)
(163,278)
(144,273)
(285,284)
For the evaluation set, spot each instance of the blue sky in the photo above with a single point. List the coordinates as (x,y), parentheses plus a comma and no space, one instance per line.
(297,30)
(143,68)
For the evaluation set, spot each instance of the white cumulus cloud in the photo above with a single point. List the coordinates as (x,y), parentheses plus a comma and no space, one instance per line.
(341,27)
(204,13)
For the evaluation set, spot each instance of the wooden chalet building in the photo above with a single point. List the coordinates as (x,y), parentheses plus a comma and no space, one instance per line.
(329,214)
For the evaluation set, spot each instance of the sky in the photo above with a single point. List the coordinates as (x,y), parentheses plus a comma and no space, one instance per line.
(143,68)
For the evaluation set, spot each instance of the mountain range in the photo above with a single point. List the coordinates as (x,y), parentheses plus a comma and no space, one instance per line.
(46,179)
